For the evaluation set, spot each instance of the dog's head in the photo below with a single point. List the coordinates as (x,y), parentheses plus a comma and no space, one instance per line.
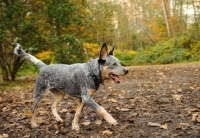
(112,68)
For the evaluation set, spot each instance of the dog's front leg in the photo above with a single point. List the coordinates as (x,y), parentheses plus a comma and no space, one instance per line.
(100,110)
(75,125)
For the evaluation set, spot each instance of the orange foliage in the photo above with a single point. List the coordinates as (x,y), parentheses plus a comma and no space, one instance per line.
(92,49)
(46,56)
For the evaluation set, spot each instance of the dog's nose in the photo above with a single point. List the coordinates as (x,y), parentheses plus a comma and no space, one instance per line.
(126,71)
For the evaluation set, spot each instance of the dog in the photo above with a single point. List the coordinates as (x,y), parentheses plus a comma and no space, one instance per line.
(80,80)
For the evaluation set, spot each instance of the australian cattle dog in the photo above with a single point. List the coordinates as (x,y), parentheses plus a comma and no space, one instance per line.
(80,80)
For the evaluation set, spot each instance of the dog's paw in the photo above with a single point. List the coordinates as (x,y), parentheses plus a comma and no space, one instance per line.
(34,124)
(59,119)
(75,127)
(110,119)
(107,116)
(113,122)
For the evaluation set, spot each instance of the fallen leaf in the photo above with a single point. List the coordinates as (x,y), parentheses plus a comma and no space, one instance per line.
(132,115)
(107,132)
(86,123)
(28,113)
(117,108)
(42,112)
(98,122)
(184,125)
(26,136)
(177,97)
(63,111)
(124,109)
(56,126)
(179,90)
(40,120)
(198,118)
(192,110)
(165,126)
(125,126)
(4,136)
(14,111)
(194,116)
(115,93)
(191,87)
(120,96)
(20,127)
(113,100)
(123,91)
(5,109)
(154,124)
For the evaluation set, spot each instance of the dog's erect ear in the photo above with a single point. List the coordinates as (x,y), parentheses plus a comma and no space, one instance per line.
(111,51)
(103,53)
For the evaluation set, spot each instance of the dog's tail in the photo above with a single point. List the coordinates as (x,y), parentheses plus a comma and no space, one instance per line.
(20,52)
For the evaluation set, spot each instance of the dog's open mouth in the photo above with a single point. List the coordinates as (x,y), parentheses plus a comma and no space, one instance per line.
(115,78)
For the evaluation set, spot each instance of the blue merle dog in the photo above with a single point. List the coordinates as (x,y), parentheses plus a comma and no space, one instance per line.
(79,80)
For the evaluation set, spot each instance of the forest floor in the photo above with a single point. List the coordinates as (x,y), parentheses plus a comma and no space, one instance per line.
(151,102)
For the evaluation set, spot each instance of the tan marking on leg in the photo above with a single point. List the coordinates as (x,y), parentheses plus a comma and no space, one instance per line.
(33,118)
(75,125)
(107,116)
(91,92)
(58,97)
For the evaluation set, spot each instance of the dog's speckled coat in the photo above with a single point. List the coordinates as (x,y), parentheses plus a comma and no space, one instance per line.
(77,80)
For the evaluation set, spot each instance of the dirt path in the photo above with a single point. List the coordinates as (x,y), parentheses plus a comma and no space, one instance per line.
(152,101)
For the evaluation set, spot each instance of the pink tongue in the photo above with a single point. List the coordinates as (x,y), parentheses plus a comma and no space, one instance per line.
(117,79)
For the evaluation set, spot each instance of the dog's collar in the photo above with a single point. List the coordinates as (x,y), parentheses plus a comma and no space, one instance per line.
(97,79)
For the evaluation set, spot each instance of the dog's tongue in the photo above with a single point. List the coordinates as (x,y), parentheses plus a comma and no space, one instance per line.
(117,79)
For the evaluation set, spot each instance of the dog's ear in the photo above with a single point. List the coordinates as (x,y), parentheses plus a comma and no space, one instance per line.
(103,53)
(111,51)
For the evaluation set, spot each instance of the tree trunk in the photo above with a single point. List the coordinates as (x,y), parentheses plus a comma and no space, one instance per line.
(16,65)
(166,18)
(5,74)
(3,65)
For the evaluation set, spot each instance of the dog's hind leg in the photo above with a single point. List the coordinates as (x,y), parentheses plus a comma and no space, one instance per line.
(59,95)
(38,93)
(75,125)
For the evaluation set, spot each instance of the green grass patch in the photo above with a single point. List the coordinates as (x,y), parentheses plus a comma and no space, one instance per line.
(22,84)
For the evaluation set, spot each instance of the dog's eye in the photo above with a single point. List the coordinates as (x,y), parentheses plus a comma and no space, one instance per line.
(114,64)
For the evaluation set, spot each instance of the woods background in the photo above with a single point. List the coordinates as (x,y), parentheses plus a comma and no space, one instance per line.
(71,31)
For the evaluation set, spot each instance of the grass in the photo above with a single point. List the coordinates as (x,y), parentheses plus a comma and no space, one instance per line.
(21,84)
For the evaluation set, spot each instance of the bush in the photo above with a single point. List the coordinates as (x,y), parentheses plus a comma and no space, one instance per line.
(70,51)
(126,57)
(172,51)
(46,56)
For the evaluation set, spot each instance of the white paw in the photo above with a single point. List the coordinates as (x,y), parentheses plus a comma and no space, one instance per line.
(112,122)
(59,119)
(110,119)
(34,124)
(75,127)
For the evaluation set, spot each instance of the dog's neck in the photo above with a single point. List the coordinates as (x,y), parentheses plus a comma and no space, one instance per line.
(96,74)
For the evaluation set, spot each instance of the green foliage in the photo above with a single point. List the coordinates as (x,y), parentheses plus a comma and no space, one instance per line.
(27,69)
(70,51)
(126,57)
(172,51)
